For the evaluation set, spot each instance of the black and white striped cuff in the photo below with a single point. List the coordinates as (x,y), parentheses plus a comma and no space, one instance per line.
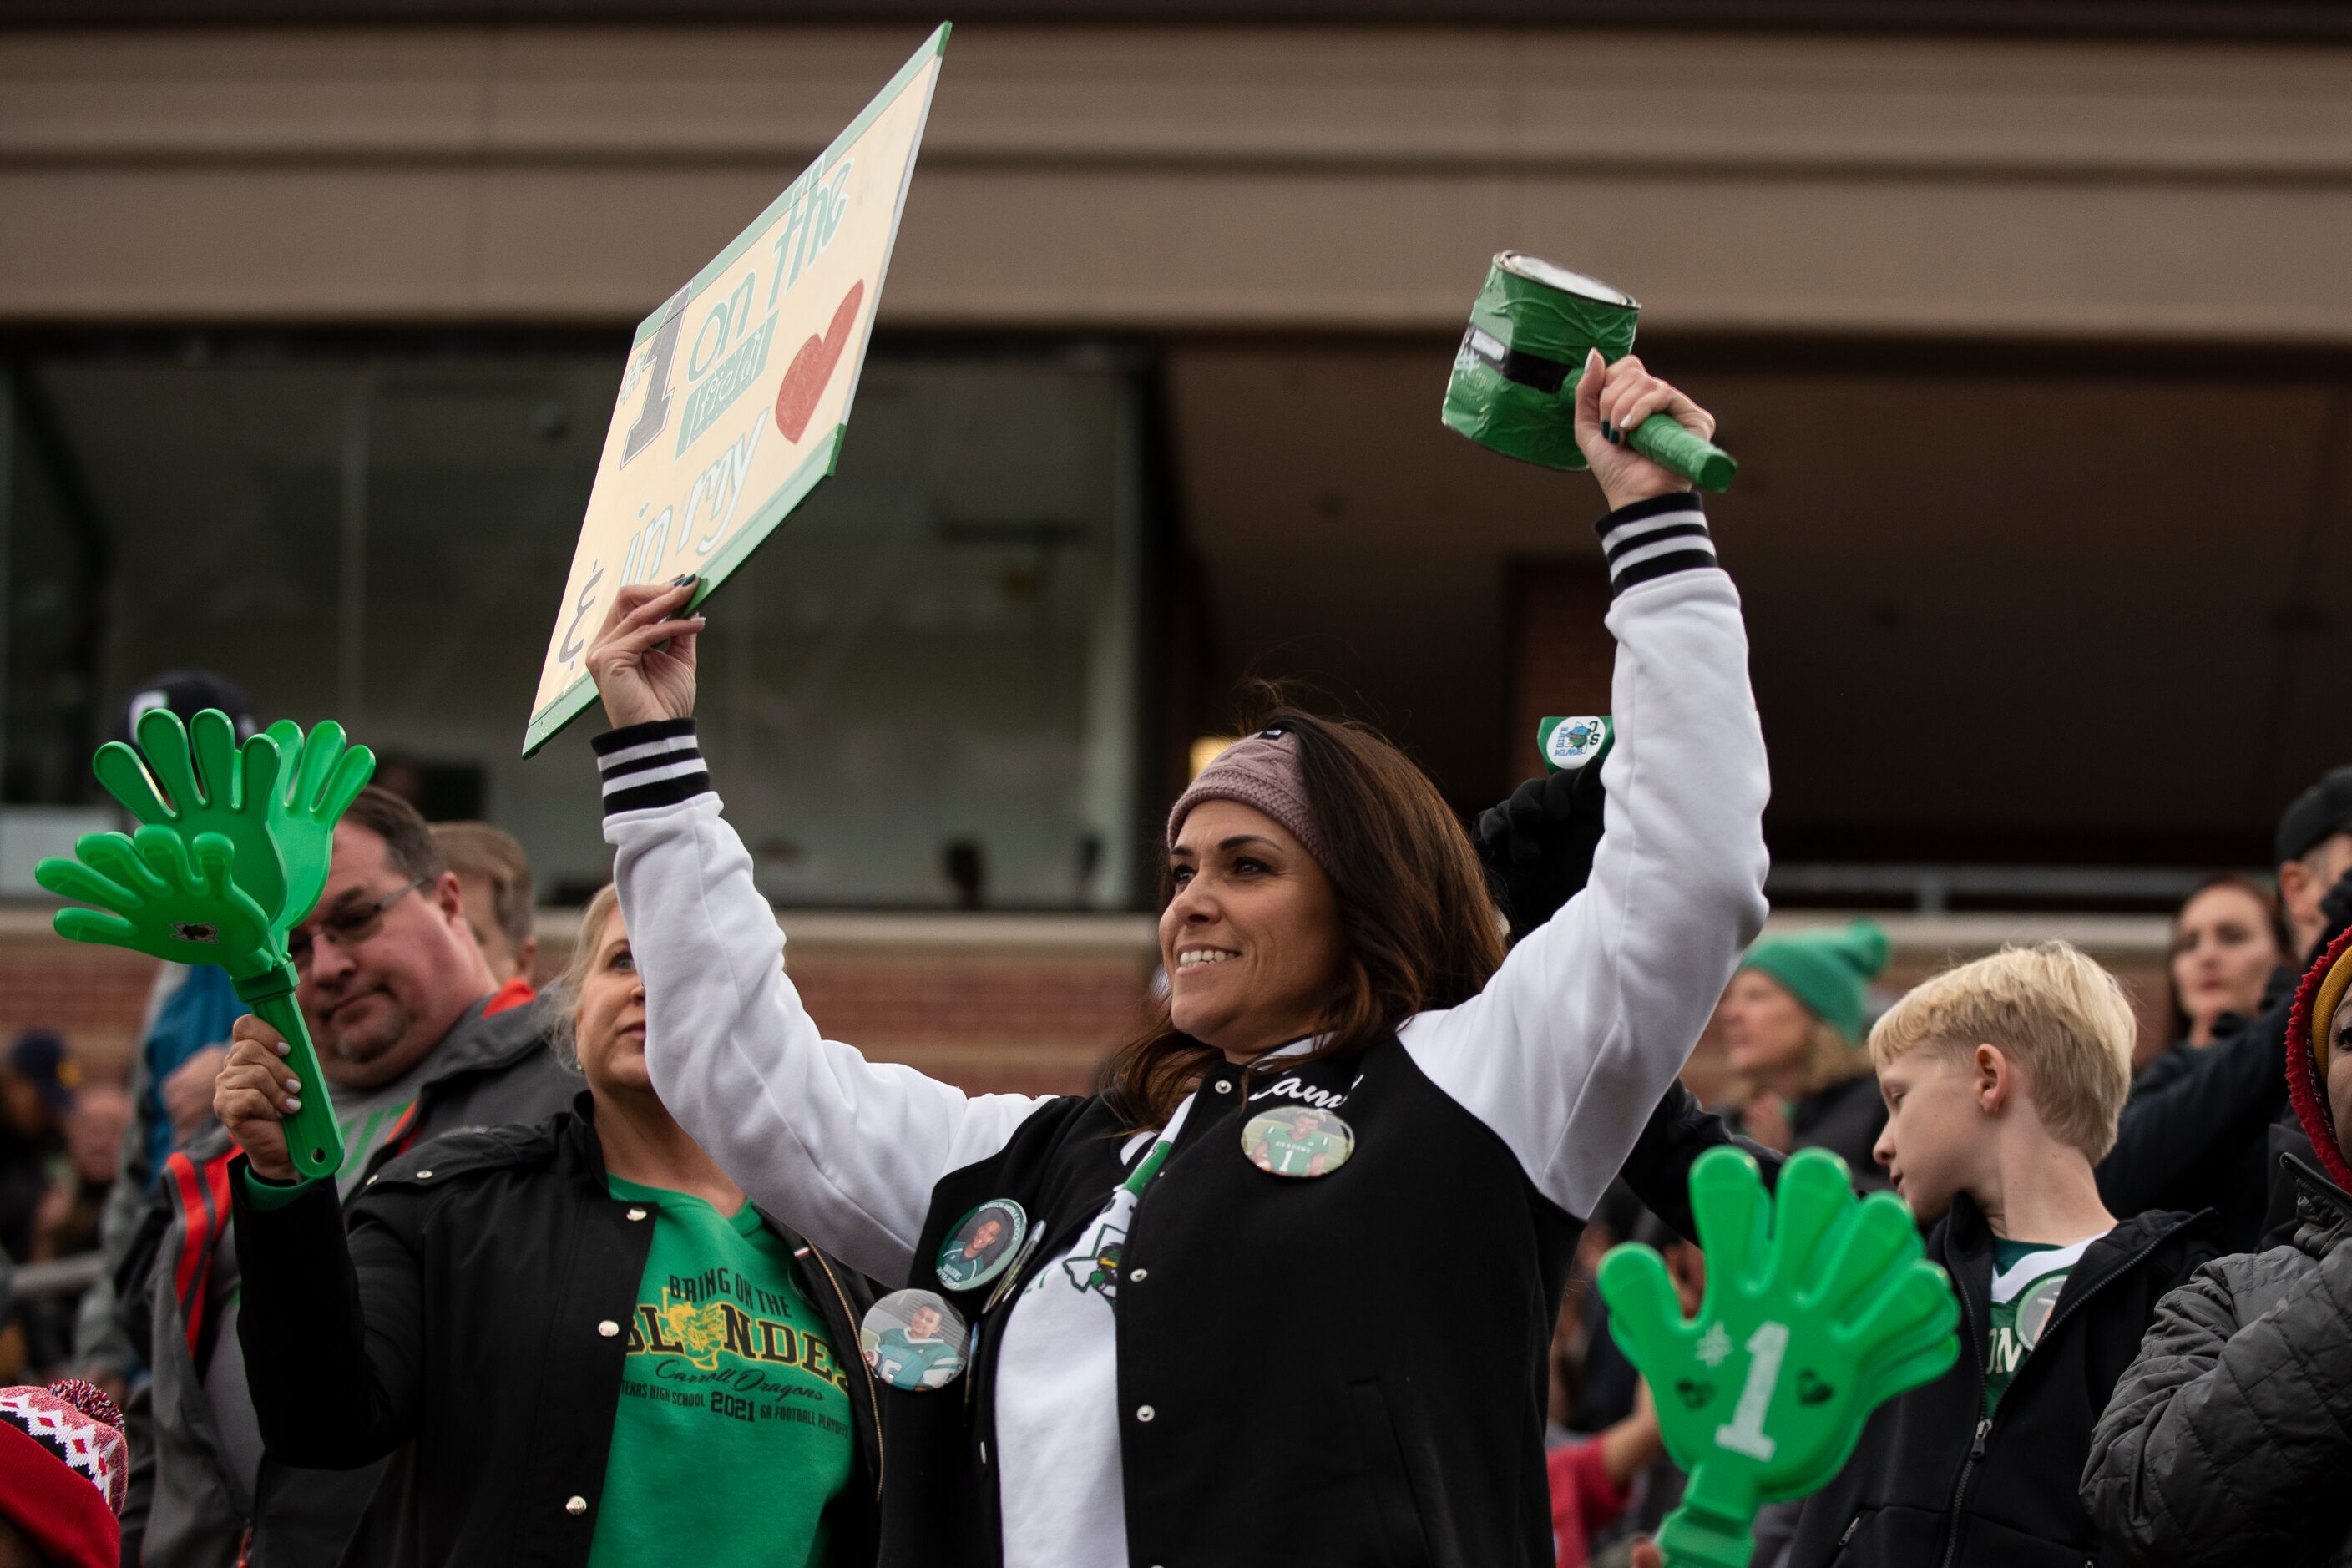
(655,763)
(1655,538)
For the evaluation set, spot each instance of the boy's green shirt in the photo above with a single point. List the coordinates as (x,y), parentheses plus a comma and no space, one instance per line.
(2027,1279)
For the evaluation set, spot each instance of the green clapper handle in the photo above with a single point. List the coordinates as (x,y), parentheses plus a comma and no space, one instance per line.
(1819,1307)
(314,1138)
(1667,444)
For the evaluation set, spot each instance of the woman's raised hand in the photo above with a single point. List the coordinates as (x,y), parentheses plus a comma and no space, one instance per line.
(254,1094)
(1613,399)
(642,661)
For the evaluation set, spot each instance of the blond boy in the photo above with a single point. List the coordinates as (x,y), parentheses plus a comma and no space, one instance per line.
(2004,1079)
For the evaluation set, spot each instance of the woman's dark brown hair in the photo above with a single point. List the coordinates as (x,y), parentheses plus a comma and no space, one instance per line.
(1420,925)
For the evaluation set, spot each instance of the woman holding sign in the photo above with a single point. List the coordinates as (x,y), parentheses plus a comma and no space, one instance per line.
(1283,1290)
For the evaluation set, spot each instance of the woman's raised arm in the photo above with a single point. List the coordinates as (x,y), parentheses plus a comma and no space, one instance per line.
(845,1149)
(1565,1054)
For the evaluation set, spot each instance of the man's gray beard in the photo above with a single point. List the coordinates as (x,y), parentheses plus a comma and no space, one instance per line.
(375,1044)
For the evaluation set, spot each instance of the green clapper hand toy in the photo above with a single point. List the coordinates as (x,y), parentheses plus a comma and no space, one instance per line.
(233,854)
(1819,1307)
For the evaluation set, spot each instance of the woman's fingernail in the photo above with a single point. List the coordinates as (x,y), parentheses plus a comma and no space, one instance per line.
(292,1105)
(284,1049)
(293,1084)
(1606,430)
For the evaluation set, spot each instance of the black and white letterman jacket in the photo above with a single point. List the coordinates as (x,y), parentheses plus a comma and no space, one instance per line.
(1347,1370)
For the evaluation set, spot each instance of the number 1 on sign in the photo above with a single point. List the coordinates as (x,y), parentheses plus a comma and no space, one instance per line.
(652,416)
(1744,1433)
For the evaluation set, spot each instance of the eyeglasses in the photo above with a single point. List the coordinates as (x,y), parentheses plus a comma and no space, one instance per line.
(348,928)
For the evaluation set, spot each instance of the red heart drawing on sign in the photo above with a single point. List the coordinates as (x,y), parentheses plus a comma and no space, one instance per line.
(811,368)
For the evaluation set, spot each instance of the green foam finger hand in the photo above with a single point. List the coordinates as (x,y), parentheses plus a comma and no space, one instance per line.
(1733,1214)
(1869,1255)
(1818,1307)
(1811,1198)
(1645,1315)
(1909,1329)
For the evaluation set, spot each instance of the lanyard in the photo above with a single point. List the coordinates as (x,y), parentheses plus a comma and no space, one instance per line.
(1149,1166)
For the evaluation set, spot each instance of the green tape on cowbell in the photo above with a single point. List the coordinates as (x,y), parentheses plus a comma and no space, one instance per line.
(1514,385)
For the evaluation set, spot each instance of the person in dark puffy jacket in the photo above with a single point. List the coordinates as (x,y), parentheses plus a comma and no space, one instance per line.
(2231,1421)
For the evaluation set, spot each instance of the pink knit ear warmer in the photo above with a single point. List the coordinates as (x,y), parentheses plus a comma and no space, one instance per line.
(1261,772)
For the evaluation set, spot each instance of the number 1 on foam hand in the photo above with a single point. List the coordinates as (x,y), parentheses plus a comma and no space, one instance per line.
(1834,1310)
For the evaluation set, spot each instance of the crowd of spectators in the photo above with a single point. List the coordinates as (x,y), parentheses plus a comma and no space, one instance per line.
(2157,1230)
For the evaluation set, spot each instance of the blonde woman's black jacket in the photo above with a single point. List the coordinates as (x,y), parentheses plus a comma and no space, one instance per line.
(463,1318)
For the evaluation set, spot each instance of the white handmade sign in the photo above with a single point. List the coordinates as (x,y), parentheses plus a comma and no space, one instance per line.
(737,393)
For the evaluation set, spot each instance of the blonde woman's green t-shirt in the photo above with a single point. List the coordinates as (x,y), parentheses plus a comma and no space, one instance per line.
(733,1428)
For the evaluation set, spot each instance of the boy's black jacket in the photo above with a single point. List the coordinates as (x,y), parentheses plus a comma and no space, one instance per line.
(1926,1487)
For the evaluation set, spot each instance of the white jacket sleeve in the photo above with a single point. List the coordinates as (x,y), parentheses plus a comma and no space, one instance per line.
(1573,1040)
(844,1150)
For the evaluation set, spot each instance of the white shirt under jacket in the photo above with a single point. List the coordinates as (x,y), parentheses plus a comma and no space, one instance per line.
(1563,1054)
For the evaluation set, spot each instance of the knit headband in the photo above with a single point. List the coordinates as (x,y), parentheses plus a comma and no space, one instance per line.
(1261,772)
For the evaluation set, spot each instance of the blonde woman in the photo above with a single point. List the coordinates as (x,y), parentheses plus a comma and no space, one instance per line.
(577,1329)
(1792,1033)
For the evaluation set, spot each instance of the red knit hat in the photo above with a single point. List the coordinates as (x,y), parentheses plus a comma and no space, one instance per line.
(2316,1001)
(63,1471)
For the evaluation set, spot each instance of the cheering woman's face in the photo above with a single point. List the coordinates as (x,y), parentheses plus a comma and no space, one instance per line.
(1251,939)
(610,1022)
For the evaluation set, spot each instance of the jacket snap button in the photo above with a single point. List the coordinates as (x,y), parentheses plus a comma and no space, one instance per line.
(575,1506)
(608,1328)
(1141,1274)
(1224,1086)
(637,1214)
(423,1175)
(1144,1413)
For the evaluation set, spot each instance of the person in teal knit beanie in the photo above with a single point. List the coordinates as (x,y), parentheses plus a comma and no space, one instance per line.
(1792,1030)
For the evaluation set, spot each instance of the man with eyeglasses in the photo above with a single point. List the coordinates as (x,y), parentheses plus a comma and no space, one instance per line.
(415,1037)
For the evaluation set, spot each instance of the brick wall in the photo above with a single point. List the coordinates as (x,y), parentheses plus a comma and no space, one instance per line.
(1017,1004)
(992,1004)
